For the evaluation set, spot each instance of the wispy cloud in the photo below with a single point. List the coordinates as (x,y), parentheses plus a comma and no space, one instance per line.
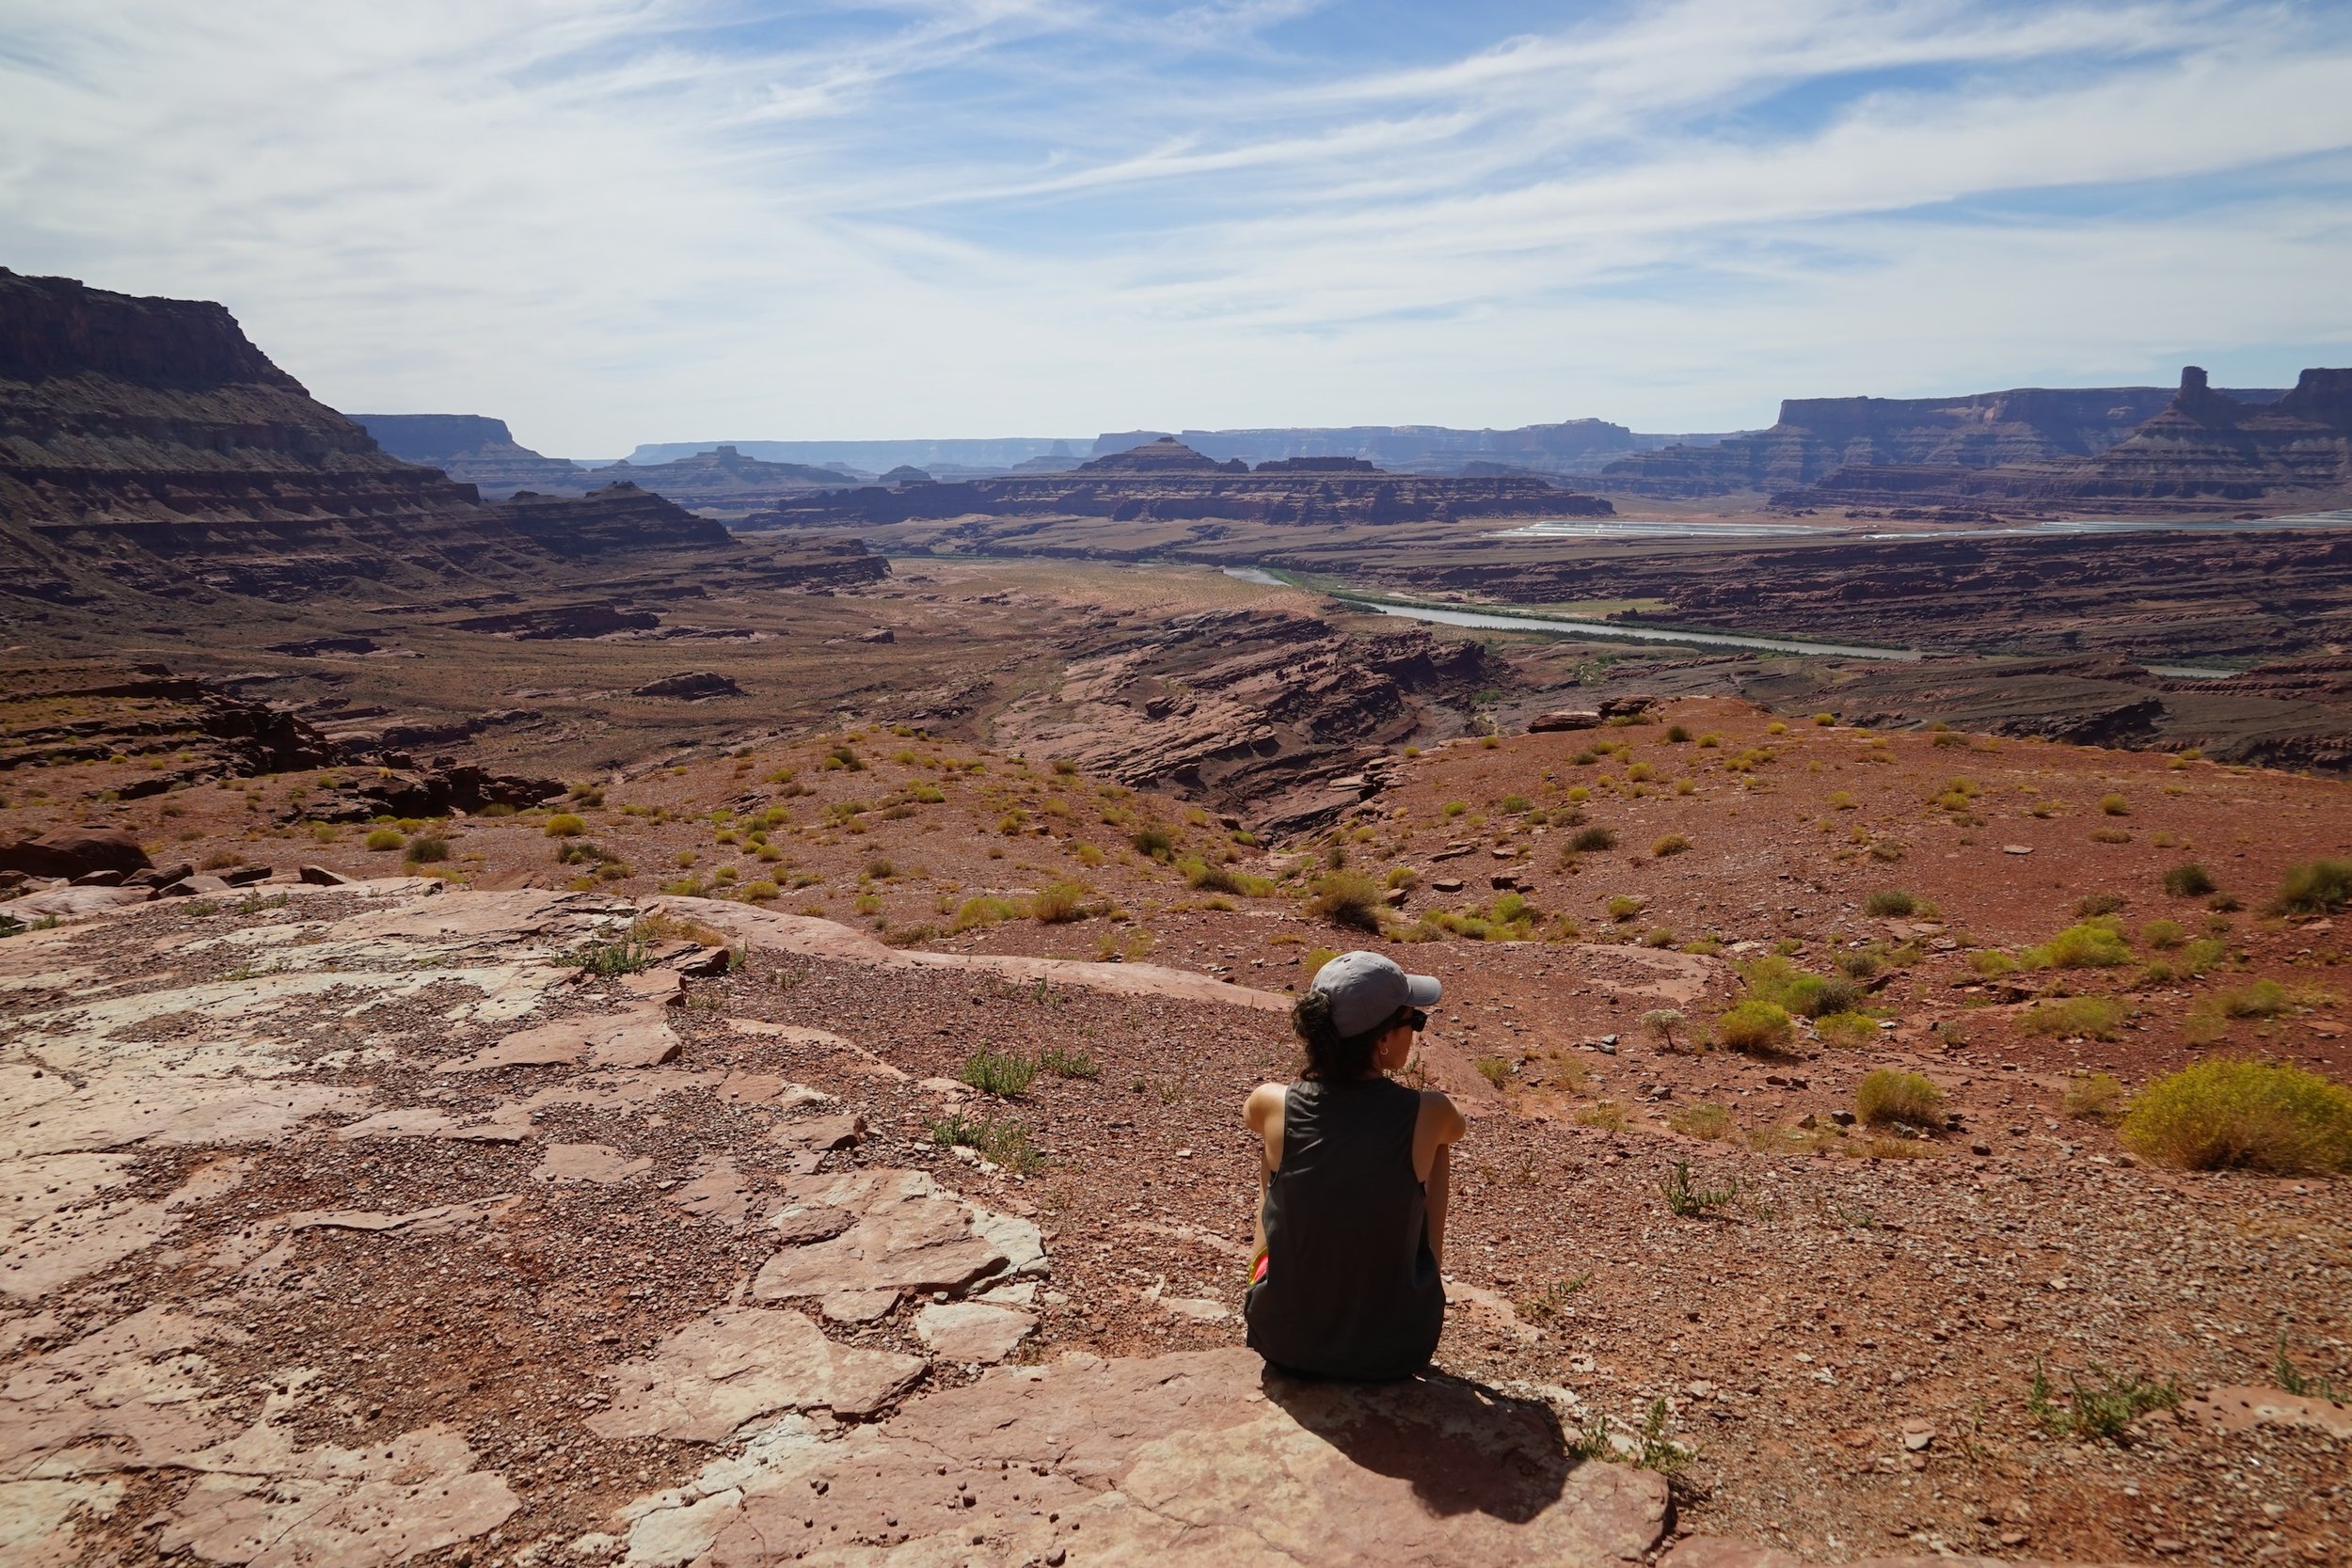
(624,220)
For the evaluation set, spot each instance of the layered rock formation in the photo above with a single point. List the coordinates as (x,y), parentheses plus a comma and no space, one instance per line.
(2170,597)
(1816,437)
(1571,447)
(1165,481)
(147,446)
(480,452)
(720,479)
(2207,452)
(121,409)
(1272,715)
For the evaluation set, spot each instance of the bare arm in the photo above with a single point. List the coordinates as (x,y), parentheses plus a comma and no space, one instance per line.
(1440,1188)
(1264,1113)
(1441,1126)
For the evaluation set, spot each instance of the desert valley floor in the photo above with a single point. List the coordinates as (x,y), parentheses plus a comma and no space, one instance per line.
(824,1146)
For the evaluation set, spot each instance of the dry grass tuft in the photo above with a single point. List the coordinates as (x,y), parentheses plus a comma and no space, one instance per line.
(1890,1095)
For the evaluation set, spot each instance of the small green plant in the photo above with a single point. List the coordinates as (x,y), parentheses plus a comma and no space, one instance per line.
(1593,839)
(1068,1064)
(2229,1113)
(2114,805)
(624,955)
(1154,842)
(383,839)
(1673,844)
(1001,1141)
(1607,1114)
(1890,1095)
(427,849)
(2291,1379)
(565,824)
(999,1072)
(1754,1025)
(2316,887)
(1552,1299)
(2093,1096)
(2162,936)
(1663,1022)
(2189,882)
(2101,1408)
(1494,1070)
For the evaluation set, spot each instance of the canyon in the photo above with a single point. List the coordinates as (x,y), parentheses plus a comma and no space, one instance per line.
(1164,480)
(544,1027)
(1816,437)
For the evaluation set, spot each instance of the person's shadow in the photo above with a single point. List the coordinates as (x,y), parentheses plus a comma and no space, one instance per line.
(1463,1448)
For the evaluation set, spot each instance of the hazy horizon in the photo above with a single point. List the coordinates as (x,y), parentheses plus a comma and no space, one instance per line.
(622,222)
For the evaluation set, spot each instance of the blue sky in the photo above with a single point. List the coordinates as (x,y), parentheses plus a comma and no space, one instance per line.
(613,221)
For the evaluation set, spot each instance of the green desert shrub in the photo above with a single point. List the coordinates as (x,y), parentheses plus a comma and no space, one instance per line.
(2070,1017)
(2189,882)
(2162,935)
(1673,844)
(2093,1096)
(2235,1114)
(1593,839)
(1774,979)
(1059,903)
(427,849)
(1154,842)
(1890,902)
(1754,1025)
(2091,944)
(999,1072)
(2114,805)
(1347,898)
(565,824)
(1890,1095)
(2317,887)
(1850,1029)
(385,838)
(1223,879)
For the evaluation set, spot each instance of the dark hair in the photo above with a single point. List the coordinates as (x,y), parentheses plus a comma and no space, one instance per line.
(1332,1056)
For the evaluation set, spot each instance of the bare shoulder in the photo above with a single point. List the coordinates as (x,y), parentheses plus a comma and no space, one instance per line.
(1443,1115)
(1264,1103)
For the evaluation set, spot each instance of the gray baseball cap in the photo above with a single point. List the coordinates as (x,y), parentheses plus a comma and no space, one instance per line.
(1366,990)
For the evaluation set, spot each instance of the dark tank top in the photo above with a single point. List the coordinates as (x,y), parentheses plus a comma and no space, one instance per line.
(1350,1288)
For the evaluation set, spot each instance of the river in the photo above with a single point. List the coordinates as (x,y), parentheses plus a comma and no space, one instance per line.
(1614,631)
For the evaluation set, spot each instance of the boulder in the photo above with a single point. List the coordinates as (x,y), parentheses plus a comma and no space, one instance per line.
(880,634)
(1565,719)
(75,852)
(691,685)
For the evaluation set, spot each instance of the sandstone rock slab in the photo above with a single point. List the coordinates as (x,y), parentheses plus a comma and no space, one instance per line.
(600,1165)
(634,1037)
(1192,1460)
(971,1330)
(262,1504)
(705,1381)
(907,1234)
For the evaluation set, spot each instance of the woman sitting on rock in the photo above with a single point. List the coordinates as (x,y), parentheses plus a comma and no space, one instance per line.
(1351,1227)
